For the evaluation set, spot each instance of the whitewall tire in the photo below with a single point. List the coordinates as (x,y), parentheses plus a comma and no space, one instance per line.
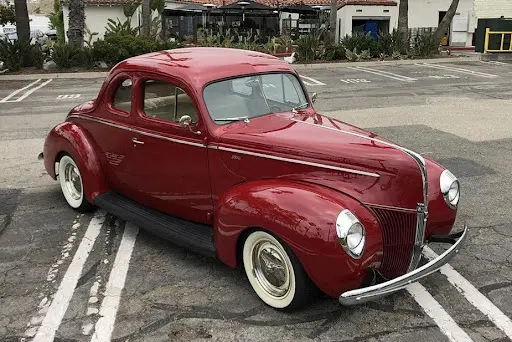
(71,184)
(274,272)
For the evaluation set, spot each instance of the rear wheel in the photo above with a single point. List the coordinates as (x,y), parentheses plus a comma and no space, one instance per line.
(274,272)
(71,184)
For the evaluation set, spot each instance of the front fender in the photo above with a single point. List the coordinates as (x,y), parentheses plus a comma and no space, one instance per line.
(70,138)
(304,217)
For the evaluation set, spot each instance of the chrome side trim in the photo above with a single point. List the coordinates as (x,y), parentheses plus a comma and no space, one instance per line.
(126,128)
(295,161)
(366,294)
(422,208)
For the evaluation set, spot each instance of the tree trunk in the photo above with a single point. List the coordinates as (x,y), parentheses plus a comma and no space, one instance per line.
(403,21)
(444,25)
(76,23)
(333,21)
(146,18)
(22,21)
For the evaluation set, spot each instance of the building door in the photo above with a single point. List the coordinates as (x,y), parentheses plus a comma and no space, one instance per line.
(446,35)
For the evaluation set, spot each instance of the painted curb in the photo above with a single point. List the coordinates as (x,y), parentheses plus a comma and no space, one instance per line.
(316,66)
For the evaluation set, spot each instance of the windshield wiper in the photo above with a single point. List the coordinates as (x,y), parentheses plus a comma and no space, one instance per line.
(238,118)
(301,106)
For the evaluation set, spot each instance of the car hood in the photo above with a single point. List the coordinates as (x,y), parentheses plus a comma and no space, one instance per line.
(317,149)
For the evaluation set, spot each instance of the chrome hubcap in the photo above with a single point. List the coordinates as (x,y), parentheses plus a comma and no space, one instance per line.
(73,181)
(270,269)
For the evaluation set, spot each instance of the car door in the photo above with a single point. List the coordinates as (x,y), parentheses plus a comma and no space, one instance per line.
(170,162)
(110,128)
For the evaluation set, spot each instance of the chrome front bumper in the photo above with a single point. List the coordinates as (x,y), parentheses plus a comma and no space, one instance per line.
(365,294)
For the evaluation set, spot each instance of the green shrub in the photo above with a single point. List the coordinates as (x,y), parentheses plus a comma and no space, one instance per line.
(10,54)
(37,56)
(306,48)
(334,52)
(390,44)
(426,45)
(115,48)
(65,55)
(361,42)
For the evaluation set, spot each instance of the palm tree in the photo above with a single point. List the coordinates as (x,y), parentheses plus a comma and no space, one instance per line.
(22,21)
(403,20)
(444,25)
(332,20)
(76,23)
(146,18)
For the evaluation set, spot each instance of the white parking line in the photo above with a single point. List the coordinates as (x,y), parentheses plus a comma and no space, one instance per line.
(5,99)
(384,74)
(108,311)
(314,82)
(68,96)
(477,299)
(456,69)
(60,303)
(435,311)
(493,62)
(27,93)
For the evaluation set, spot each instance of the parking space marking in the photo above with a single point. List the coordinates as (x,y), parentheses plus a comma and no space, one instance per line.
(305,79)
(456,69)
(61,300)
(108,311)
(5,99)
(477,299)
(436,312)
(68,96)
(384,74)
(355,80)
(493,62)
(28,89)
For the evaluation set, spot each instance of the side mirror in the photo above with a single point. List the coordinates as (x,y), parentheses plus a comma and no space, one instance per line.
(313,97)
(185,122)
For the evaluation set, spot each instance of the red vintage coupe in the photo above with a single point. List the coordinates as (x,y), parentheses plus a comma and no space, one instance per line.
(221,151)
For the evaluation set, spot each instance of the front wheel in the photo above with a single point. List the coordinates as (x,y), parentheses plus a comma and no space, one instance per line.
(274,272)
(71,184)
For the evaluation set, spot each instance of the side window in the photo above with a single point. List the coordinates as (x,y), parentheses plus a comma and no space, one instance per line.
(167,102)
(123,96)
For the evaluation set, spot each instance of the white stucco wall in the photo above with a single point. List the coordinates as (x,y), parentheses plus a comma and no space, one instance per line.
(425,13)
(493,8)
(356,12)
(96,18)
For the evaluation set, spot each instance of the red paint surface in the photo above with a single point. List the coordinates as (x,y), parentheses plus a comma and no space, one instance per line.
(236,191)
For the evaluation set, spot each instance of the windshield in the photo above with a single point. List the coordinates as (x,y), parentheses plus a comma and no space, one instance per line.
(252,96)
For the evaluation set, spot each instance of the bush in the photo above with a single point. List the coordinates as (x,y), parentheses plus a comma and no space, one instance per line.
(10,54)
(306,48)
(389,44)
(334,52)
(65,55)
(115,48)
(360,42)
(426,45)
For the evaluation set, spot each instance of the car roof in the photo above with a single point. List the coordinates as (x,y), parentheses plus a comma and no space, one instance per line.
(200,65)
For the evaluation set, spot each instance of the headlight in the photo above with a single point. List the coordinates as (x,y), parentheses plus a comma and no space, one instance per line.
(351,233)
(450,188)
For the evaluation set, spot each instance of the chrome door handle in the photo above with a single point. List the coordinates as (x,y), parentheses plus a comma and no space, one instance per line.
(136,141)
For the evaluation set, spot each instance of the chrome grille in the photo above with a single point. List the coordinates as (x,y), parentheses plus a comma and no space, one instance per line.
(398,237)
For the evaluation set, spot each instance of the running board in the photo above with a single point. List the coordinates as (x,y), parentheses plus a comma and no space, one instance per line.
(193,236)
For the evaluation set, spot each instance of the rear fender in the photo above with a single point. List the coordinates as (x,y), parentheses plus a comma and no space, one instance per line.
(304,217)
(73,140)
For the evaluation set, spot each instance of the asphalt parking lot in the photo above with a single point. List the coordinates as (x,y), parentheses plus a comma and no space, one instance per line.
(458,113)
